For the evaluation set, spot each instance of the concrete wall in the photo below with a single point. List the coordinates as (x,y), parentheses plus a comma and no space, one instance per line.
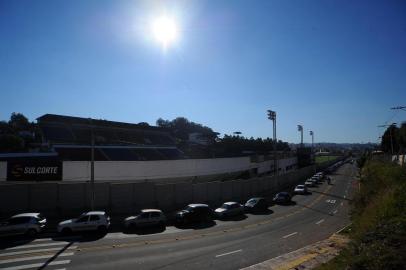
(142,170)
(3,171)
(68,198)
(162,170)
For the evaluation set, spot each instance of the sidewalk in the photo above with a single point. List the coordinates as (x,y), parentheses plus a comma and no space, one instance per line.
(307,257)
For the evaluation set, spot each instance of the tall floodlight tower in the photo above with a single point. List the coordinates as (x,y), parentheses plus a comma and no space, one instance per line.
(272,116)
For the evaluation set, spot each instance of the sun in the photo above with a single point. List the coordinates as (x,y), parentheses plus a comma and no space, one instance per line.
(165,31)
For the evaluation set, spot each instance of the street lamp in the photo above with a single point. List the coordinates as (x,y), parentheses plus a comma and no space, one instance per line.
(300,129)
(272,116)
(92,193)
(312,134)
(390,134)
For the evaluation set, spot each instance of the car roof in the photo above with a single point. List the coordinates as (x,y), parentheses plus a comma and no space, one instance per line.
(150,210)
(256,198)
(95,213)
(198,205)
(26,215)
(300,186)
(231,203)
(283,193)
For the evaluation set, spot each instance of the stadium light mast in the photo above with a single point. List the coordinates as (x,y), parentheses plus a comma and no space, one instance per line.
(300,129)
(312,134)
(92,195)
(390,134)
(272,116)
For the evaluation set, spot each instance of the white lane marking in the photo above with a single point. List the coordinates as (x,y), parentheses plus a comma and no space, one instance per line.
(320,221)
(344,196)
(34,258)
(34,250)
(335,211)
(36,265)
(60,269)
(42,239)
(39,245)
(289,235)
(228,253)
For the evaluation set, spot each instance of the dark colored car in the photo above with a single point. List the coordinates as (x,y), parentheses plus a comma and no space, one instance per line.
(194,213)
(256,204)
(282,198)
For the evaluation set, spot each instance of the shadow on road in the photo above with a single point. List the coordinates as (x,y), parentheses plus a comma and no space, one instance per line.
(14,241)
(197,226)
(262,212)
(145,231)
(233,218)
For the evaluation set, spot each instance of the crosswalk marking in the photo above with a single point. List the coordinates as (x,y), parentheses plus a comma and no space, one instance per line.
(35,251)
(36,265)
(38,254)
(39,245)
(34,258)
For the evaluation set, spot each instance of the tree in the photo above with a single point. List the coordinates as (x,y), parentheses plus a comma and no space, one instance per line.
(18,122)
(11,143)
(390,139)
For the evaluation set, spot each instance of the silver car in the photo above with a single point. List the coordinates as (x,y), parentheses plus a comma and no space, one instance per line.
(229,209)
(88,221)
(146,218)
(29,224)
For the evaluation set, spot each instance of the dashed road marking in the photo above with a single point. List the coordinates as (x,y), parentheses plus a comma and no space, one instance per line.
(228,253)
(289,235)
(335,211)
(320,221)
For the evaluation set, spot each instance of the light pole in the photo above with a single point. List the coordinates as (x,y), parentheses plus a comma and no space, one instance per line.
(92,195)
(312,134)
(300,129)
(272,116)
(390,134)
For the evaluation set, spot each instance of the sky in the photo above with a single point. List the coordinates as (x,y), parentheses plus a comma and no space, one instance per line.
(335,67)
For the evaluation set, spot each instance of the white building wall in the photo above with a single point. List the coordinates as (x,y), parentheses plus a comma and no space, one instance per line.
(141,170)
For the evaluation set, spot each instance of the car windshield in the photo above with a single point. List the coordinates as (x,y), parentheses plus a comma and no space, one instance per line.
(252,201)
(226,206)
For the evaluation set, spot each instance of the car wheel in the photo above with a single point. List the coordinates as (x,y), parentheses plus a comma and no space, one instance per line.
(102,229)
(31,233)
(66,231)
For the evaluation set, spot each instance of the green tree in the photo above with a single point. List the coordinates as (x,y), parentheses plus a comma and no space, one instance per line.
(18,122)
(11,143)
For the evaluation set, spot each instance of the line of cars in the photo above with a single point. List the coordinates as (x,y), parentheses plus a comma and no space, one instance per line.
(31,224)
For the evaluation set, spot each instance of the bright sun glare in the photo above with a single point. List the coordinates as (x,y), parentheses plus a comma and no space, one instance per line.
(165,31)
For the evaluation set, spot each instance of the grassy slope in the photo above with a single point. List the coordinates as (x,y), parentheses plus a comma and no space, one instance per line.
(378,232)
(321,159)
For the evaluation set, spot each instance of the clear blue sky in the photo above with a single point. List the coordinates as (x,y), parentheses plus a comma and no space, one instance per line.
(335,67)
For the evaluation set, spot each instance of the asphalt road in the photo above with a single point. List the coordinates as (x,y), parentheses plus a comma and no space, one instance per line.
(231,244)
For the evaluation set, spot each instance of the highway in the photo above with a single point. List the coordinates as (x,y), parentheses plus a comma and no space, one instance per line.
(232,244)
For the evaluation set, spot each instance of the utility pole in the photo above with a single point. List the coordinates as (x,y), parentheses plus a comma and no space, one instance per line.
(92,195)
(403,108)
(300,129)
(272,116)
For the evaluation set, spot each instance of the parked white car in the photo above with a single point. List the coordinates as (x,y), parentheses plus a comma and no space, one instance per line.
(300,189)
(309,183)
(89,221)
(229,209)
(146,218)
(29,224)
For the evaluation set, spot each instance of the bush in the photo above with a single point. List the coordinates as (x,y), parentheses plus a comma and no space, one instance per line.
(378,231)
